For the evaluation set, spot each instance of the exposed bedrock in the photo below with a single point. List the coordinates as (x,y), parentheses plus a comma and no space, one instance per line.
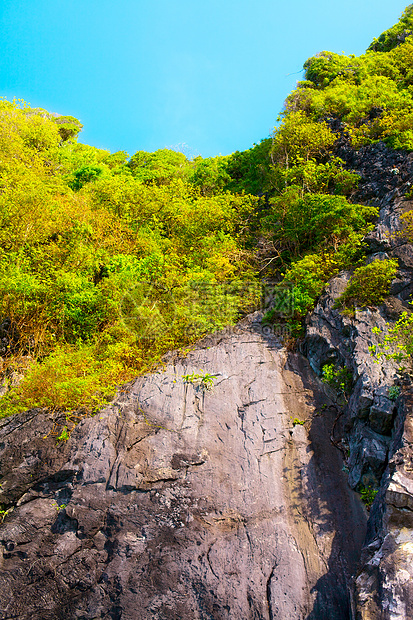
(376,429)
(377,433)
(181,502)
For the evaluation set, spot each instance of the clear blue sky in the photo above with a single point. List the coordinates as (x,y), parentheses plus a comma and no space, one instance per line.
(143,75)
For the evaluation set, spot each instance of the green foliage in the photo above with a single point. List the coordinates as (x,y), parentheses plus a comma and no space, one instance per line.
(300,139)
(85,174)
(68,127)
(72,377)
(73,156)
(298,422)
(368,495)
(397,344)
(394,392)
(159,167)
(250,170)
(59,507)
(82,231)
(117,161)
(4,513)
(210,175)
(322,69)
(64,435)
(407,222)
(394,36)
(204,379)
(310,176)
(372,93)
(309,276)
(314,220)
(340,379)
(369,285)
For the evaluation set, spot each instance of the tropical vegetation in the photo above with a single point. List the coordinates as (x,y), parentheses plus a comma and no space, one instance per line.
(108,261)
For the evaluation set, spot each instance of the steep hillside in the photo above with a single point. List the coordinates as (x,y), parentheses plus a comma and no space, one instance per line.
(265,471)
(111,261)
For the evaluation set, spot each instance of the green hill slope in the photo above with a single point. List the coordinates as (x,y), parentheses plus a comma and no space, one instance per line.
(107,262)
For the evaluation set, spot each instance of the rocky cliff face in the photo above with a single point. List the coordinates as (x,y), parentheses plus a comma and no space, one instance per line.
(186,500)
(376,430)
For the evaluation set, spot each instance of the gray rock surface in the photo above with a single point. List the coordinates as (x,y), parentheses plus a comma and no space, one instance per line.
(375,430)
(385,583)
(181,502)
(377,434)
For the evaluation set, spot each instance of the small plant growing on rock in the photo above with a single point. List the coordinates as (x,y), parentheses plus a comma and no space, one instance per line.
(203,379)
(397,344)
(64,435)
(59,507)
(368,495)
(4,513)
(394,392)
(298,422)
(340,379)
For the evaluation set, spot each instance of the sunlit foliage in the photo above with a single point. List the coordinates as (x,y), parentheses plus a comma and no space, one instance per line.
(80,230)
(108,261)
(371,94)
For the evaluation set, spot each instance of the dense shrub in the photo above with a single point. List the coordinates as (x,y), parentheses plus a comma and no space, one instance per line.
(370,284)
(314,220)
(370,93)
(395,35)
(81,229)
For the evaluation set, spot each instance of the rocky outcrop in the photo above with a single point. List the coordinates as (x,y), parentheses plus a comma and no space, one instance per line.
(384,585)
(376,432)
(183,502)
(376,427)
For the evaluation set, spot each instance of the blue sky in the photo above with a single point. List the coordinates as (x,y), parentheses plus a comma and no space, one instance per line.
(209,77)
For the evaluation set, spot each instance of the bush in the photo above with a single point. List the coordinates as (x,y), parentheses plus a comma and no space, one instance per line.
(249,170)
(84,175)
(395,35)
(368,495)
(69,378)
(372,93)
(323,68)
(299,139)
(81,229)
(309,275)
(340,379)
(315,221)
(159,167)
(398,343)
(369,285)
(311,176)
